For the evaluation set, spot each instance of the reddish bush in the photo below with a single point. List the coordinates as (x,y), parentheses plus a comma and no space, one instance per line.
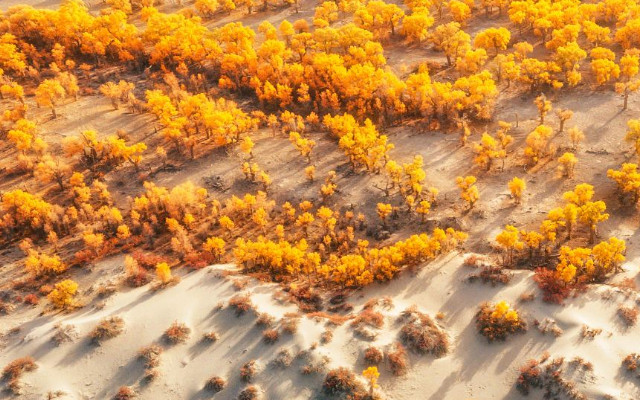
(31,299)
(554,290)
(241,304)
(270,336)
(631,362)
(125,393)
(249,393)
(372,356)
(530,377)
(108,328)
(398,360)
(341,381)
(421,334)
(629,315)
(248,370)
(17,367)
(211,337)
(147,260)
(215,384)
(290,324)
(369,317)
(177,333)
(150,355)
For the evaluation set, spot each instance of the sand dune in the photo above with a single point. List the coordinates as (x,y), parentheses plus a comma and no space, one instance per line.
(473,368)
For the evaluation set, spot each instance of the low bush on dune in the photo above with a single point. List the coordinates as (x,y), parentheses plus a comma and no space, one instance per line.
(178,332)
(150,355)
(215,384)
(342,382)
(422,334)
(373,356)
(241,304)
(397,359)
(125,393)
(249,393)
(108,328)
(13,371)
(498,321)
(248,370)
(270,336)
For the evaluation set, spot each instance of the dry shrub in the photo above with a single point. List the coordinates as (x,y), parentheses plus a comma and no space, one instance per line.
(472,260)
(240,284)
(147,261)
(307,299)
(270,336)
(178,332)
(497,327)
(249,393)
(491,274)
(150,355)
(248,370)
(265,319)
(283,359)
(326,337)
(210,337)
(64,334)
(125,393)
(15,369)
(423,335)
(215,384)
(369,317)
(342,382)
(314,364)
(108,328)
(530,377)
(398,359)
(373,356)
(548,374)
(631,362)
(290,323)
(365,333)
(626,284)
(332,319)
(578,361)
(6,308)
(554,290)
(590,333)
(106,290)
(241,304)
(31,299)
(629,315)
(548,325)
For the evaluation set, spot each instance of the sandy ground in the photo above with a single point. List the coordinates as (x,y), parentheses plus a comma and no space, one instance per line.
(474,368)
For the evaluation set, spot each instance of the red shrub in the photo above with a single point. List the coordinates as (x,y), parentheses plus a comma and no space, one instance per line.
(31,299)
(554,290)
